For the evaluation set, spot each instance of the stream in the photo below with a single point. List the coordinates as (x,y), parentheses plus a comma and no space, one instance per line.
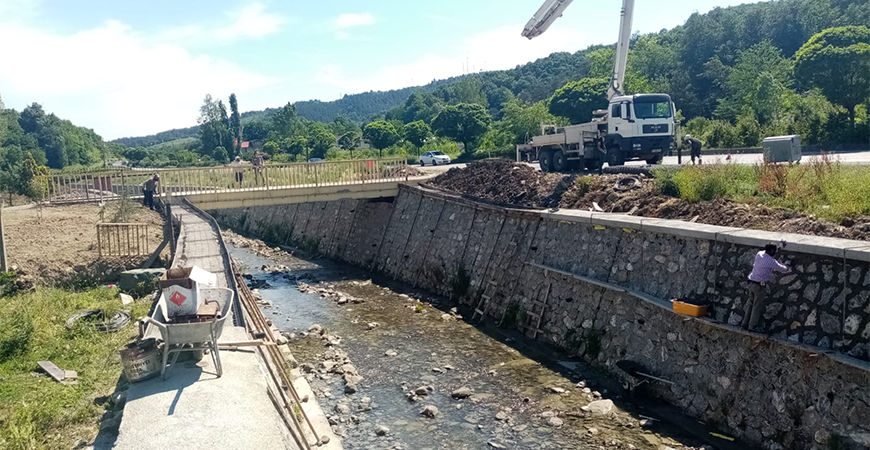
(414,351)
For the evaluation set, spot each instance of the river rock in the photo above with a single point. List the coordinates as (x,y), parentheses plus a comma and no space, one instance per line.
(599,407)
(463,392)
(495,444)
(422,390)
(429,411)
(382,430)
(555,422)
(501,415)
(556,390)
(342,408)
(391,352)
(316,328)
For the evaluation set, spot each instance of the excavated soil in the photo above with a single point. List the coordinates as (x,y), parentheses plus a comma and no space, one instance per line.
(54,244)
(509,183)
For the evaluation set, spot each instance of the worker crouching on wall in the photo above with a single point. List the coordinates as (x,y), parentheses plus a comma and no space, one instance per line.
(762,270)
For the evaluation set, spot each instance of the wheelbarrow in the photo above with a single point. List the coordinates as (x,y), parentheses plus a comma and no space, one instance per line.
(192,334)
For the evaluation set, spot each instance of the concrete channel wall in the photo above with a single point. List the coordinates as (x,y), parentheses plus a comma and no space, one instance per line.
(598,285)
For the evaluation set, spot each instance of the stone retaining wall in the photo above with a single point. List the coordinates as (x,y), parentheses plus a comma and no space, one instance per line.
(604,280)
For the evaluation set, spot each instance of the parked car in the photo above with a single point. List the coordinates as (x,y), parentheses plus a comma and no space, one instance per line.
(434,158)
(315,159)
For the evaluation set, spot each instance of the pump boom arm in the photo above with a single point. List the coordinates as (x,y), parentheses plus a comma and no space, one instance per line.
(553,9)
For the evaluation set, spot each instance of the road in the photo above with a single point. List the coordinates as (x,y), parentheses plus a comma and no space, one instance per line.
(749,158)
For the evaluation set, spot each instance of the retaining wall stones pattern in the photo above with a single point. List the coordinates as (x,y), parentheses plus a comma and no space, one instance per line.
(784,393)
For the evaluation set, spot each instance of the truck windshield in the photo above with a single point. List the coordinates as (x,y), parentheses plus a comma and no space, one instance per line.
(652,110)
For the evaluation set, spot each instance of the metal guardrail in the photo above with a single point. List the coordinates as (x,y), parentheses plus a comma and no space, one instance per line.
(110,185)
(122,239)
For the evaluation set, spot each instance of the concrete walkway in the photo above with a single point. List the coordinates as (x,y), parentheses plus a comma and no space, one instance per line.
(194,409)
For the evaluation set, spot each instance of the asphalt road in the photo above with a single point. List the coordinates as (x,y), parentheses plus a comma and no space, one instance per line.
(750,158)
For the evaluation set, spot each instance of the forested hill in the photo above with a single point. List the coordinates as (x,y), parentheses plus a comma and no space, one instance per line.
(692,62)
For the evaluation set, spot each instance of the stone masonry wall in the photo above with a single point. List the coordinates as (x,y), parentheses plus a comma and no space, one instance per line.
(789,392)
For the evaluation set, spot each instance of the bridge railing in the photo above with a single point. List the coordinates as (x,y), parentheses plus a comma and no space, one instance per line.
(102,186)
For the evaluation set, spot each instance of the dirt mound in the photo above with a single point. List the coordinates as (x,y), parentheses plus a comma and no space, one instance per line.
(502,181)
(522,185)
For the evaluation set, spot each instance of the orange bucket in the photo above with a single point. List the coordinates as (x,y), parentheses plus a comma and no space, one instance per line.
(689,309)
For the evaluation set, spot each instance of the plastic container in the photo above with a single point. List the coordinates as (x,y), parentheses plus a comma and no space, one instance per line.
(689,309)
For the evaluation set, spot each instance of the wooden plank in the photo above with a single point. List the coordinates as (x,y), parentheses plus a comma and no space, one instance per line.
(51,368)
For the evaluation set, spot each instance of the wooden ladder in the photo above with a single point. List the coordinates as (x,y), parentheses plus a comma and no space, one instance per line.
(532,332)
(494,283)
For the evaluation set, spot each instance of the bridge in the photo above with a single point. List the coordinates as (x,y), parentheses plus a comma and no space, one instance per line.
(233,187)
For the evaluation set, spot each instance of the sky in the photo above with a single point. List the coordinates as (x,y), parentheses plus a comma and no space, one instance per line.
(128,68)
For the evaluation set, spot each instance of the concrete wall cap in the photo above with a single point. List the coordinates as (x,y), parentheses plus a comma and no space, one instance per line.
(817,245)
(569,215)
(617,220)
(685,229)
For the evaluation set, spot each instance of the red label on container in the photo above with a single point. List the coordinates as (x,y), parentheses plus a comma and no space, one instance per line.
(178,298)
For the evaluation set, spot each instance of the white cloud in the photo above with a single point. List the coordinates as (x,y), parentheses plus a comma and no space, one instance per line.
(496,49)
(114,80)
(250,21)
(351,20)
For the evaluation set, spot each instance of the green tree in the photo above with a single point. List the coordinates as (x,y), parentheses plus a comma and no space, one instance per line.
(255,129)
(760,80)
(320,138)
(214,128)
(381,134)
(32,179)
(577,100)
(220,154)
(837,61)
(283,121)
(272,148)
(298,146)
(235,125)
(521,120)
(341,125)
(350,141)
(417,132)
(465,123)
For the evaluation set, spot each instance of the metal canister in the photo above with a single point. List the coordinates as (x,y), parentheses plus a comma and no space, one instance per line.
(141,359)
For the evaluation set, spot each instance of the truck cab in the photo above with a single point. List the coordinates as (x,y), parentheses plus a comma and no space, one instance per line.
(639,126)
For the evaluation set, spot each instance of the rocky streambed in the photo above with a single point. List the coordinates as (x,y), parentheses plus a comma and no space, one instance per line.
(398,368)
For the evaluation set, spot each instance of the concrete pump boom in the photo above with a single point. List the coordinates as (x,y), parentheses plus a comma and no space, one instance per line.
(553,9)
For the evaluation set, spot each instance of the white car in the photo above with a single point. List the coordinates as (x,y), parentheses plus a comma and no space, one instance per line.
(434,158)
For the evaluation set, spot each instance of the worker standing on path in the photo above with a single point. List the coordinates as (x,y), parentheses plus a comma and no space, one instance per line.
(148,189)
(602,151)
(695,147)
(258,163)
(763,267)
(237,164)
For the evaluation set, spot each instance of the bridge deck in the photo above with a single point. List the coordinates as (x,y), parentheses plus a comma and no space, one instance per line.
(194,409)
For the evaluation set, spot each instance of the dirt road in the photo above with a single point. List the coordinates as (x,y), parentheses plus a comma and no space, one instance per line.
(749,158)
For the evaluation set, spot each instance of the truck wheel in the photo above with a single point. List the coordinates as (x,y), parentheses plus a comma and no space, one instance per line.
(560,162)
(654,160)
(615,157)
(591,164)
(546,161)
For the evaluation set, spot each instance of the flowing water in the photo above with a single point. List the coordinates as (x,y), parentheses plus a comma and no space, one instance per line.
(524,397)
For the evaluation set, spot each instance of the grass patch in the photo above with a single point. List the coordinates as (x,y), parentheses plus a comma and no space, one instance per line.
(35,411)
(821,186)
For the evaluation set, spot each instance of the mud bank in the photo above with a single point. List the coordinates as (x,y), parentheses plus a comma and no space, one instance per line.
(596,286)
